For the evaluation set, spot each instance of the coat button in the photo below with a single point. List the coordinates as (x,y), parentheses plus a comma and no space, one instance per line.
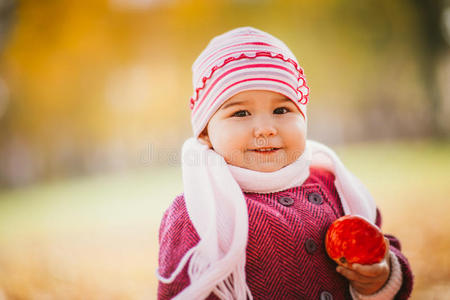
(310,246)
(315,198)
(326,296)
(286,201)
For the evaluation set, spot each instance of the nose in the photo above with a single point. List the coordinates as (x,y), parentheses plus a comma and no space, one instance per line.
(264,128)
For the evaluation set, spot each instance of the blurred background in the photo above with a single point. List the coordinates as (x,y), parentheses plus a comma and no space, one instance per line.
(94,109)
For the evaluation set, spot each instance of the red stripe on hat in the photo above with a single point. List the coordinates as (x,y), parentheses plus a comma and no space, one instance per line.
(242,68)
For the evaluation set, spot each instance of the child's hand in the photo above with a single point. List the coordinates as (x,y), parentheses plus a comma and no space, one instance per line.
(368,279)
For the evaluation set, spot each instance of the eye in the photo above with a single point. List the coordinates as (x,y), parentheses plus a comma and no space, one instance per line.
(281,110)
(241,113)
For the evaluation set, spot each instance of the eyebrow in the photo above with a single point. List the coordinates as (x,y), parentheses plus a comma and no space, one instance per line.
(235,103)
(284,99)
(232,104)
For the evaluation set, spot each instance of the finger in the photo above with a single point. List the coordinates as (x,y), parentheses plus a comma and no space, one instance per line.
(373,270)
(354,276)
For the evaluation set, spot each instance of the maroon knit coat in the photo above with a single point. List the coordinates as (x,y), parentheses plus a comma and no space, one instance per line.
(286,257)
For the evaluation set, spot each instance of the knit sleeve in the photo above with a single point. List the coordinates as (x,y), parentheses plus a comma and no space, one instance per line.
(407,284)
(176,236)
(401,263)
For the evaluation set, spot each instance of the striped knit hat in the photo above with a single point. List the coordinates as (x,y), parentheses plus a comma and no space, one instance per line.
(243,59)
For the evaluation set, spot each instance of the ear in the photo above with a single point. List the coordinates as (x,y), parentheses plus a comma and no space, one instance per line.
(204,138)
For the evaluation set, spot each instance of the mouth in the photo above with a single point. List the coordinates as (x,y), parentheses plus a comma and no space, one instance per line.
(265,150)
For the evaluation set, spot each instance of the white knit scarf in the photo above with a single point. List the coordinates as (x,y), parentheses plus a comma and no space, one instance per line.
(213,192)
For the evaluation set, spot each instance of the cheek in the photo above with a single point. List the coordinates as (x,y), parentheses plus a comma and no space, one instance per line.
(296,137)
(228,137)
(297,144)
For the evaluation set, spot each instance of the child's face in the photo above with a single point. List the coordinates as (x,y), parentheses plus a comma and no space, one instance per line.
(252,122)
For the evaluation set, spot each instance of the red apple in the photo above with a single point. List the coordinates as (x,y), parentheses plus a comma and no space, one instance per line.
(352,239)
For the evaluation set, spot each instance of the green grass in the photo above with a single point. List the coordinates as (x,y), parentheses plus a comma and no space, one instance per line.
(97,236)
(104,200)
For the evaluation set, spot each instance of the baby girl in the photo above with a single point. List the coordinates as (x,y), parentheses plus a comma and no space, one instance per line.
(258,196)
